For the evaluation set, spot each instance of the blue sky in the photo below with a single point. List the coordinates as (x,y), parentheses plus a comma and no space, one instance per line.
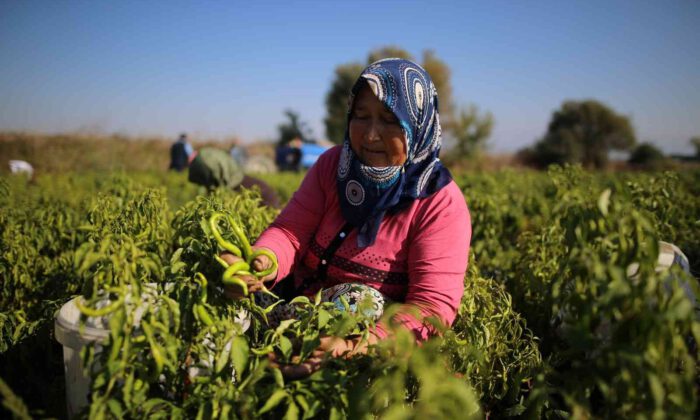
(221,69)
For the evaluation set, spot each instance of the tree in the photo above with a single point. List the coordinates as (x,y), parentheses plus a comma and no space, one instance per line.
(294,128)
(584,132)
(471,131)
(647,156)
(695,141)
(440,73)
(389,51)
(337,100)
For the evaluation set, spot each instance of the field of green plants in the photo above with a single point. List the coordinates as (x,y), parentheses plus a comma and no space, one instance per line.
(550,325)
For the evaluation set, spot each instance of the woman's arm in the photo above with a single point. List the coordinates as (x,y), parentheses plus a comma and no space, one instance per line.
(290,234)
(439,248)
(329,346)
(437,262)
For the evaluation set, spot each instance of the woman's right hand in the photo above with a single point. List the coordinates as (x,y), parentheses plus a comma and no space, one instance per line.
(260,263)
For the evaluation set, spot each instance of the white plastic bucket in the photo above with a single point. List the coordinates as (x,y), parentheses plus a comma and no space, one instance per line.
(669,255)
(74,336)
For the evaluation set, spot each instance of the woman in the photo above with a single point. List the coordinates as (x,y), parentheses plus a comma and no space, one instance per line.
(379,213)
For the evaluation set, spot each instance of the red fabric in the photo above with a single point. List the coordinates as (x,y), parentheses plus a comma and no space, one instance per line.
(419,258)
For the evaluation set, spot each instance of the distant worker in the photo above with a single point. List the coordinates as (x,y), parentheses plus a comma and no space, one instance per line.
(288,156)
(238,153)
(181,153)
(22,167)
(215,168)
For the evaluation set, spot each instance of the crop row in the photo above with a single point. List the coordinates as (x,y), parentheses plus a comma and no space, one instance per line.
(550,324)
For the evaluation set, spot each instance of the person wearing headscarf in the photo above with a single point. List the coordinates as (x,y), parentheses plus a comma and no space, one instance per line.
(378,216)
(214,168)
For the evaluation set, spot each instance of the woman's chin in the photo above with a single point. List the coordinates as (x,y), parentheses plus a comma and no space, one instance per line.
(374,161)
(377,165)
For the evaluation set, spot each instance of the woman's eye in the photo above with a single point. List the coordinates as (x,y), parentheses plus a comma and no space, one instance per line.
(391,120)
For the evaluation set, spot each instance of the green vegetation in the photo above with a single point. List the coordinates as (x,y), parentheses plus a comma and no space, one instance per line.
(550,325)
(582,132)
(695,141)
(470,131)
(647,156)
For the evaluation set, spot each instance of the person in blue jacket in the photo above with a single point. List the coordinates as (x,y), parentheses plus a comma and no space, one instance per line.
(180,153)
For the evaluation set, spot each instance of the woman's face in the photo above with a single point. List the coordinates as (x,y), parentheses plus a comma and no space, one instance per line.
(376,135)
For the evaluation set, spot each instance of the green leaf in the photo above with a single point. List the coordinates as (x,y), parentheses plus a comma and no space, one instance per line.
(335,414)
(310,342)
(273,401)
(177,267)
(115,408)
(284,325)
(302,402)
(695,328)
(279,379)
(300,300)
(223,358)
(515,410)
(239,354)
(604,202)
(292,412)
(12,402)
(176,255)
(323,318)
(285,345)
(657,390)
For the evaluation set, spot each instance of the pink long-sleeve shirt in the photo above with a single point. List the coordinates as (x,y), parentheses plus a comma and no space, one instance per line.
(419,256)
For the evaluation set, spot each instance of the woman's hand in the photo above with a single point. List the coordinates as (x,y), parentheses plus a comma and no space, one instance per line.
(329,347)
(260,263)
(263,262)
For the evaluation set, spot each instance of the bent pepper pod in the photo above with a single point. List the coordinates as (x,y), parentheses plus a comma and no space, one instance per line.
(231,276)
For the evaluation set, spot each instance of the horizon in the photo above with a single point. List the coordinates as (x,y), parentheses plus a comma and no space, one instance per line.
(227,70)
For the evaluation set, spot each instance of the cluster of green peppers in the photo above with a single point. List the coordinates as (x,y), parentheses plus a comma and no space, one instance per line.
(201,309)
(231,276)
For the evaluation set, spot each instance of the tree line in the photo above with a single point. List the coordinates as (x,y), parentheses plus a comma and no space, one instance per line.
(580,131)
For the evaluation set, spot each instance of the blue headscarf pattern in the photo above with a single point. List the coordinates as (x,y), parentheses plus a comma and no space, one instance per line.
(368,193)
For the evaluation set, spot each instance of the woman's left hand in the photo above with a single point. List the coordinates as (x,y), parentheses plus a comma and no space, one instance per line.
(330,346)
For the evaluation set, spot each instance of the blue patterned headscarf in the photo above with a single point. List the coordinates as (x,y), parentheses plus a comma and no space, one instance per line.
(367,193)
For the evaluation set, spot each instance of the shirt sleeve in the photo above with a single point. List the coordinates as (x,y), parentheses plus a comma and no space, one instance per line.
(291,232)
(438,256)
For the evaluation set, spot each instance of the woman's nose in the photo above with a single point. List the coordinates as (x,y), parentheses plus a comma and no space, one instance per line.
(373,132)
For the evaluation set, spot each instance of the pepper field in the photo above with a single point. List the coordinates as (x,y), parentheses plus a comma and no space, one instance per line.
(550,325)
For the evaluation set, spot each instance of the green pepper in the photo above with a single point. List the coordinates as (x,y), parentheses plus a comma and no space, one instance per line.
(269,255)
(95,313)
(214,226)
(233,280)
(233,272)
(236,268)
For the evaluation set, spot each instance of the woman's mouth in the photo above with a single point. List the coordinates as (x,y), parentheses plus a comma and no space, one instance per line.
(374,152)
